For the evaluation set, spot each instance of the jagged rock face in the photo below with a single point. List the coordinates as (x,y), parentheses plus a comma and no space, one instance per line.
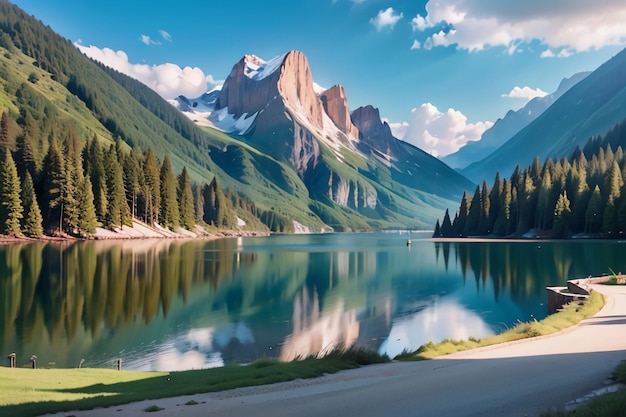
(296,87)
(373,132)
(336,106)
(243,94)
(281,94)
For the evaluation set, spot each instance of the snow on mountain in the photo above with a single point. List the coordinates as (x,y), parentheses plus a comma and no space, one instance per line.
(258,69)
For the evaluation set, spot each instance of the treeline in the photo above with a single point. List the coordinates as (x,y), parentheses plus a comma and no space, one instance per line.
(65,185)
(583,194)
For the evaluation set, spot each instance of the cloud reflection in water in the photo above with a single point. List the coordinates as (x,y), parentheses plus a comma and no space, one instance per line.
(441,320)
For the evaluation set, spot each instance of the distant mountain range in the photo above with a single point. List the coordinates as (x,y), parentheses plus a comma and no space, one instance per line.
(589,108)
(505,128)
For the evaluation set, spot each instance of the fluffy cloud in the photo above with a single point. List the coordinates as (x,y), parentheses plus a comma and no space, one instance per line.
(566,26)
(168,80)
(526,93)
(416,45)
(438,133)
(386,18)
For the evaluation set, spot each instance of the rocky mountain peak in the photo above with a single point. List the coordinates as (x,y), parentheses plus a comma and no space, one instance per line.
(254,83)
(336,106)
(367,120)
(373,131)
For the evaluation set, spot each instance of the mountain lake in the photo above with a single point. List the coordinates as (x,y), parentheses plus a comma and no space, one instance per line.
(187,304)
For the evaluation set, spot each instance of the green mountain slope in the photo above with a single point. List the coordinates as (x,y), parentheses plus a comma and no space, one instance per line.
(588,109)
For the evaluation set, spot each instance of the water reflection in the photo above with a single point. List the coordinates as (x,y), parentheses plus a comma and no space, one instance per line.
(168,305)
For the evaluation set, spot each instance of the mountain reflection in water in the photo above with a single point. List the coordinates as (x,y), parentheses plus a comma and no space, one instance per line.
(171,305)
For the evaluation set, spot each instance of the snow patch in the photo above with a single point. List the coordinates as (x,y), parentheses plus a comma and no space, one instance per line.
(227,122)
(257,69)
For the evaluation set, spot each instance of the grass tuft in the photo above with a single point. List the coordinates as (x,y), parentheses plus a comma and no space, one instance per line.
(153,408)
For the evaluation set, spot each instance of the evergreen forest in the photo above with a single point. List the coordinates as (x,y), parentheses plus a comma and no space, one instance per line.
(52,182)
(583,195)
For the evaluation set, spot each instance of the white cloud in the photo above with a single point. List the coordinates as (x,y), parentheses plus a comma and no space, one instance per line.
(547,54)
(386,18)
(416,45)
(148,40)
(438,133)
(526,93)
(168,80)
(419,23)
(165,35)
(569,26)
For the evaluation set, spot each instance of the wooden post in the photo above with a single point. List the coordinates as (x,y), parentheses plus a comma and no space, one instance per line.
(33,361)
(12,360)
(119,364)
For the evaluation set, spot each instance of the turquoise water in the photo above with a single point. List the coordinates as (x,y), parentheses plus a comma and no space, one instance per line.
(173,305)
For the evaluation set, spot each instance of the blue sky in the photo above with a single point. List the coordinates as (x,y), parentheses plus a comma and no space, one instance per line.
(440,71)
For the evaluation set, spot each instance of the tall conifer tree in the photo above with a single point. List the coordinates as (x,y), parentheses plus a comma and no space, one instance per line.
(10,201)
(185,199)
(32,223)
(170,214)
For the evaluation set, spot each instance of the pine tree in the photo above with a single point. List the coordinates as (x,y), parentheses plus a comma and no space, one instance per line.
(545,207)
(10,202)
(437,232)
(26,159)
(495,198)
(73,178)
(32,223)
(459,226)
(170,214)
(485,207)
(152,188)
(613,185)
(474,214)
(117,210)
(199,203)
(503,220)
(595,209)
(132,180)
(87,219)
(54,183)
(562,213)
(446,225)
(95,168)
(185,199)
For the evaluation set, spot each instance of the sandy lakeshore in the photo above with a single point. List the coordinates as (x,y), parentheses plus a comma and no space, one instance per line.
(522,378)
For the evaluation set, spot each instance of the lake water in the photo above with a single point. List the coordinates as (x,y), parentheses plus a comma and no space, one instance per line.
(173,305)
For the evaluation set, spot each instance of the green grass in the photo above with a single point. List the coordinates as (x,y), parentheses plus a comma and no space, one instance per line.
(566,317)
(31,392)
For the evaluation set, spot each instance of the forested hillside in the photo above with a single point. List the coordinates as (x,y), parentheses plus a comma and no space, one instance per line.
(582,195)
(47,77)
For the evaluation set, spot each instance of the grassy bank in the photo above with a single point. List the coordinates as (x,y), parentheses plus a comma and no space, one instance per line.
(32,392)
(566,317)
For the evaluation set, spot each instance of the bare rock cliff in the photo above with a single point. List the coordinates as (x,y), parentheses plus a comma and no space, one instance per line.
(373,132)
(336,106)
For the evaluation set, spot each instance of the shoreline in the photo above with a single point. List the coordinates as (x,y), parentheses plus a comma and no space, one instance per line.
(139,231)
